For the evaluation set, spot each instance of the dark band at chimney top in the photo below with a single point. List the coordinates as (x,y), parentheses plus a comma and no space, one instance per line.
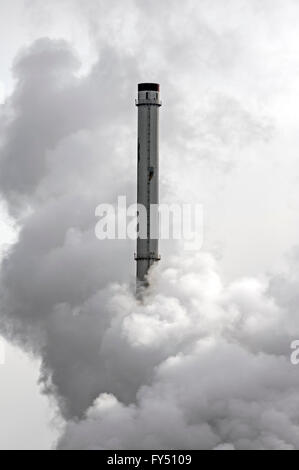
(148,87)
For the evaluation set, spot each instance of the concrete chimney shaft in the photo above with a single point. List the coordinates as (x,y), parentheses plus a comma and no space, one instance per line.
(148,104)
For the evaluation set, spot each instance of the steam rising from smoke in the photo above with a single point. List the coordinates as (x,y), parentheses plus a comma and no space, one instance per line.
(200,363)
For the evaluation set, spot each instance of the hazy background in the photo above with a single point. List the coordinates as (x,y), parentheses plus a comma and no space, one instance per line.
(229,140)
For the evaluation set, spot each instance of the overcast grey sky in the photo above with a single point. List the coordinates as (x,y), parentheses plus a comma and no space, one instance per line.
(229,139)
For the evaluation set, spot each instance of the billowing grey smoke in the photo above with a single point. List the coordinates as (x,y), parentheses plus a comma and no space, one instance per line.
(58,153)
(216,364)
(199,364)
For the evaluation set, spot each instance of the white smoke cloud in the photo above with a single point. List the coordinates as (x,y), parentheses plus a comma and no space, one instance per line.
(209,365)
(203,362)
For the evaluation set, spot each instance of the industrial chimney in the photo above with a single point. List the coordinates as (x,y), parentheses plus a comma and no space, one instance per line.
(148,104)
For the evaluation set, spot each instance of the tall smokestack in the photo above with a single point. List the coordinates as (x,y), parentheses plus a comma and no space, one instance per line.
(148,104)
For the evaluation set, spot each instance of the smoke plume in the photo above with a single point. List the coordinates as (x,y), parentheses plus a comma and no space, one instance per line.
(204,361)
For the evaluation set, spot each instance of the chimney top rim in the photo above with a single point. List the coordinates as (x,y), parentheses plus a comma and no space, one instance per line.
(148,87)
